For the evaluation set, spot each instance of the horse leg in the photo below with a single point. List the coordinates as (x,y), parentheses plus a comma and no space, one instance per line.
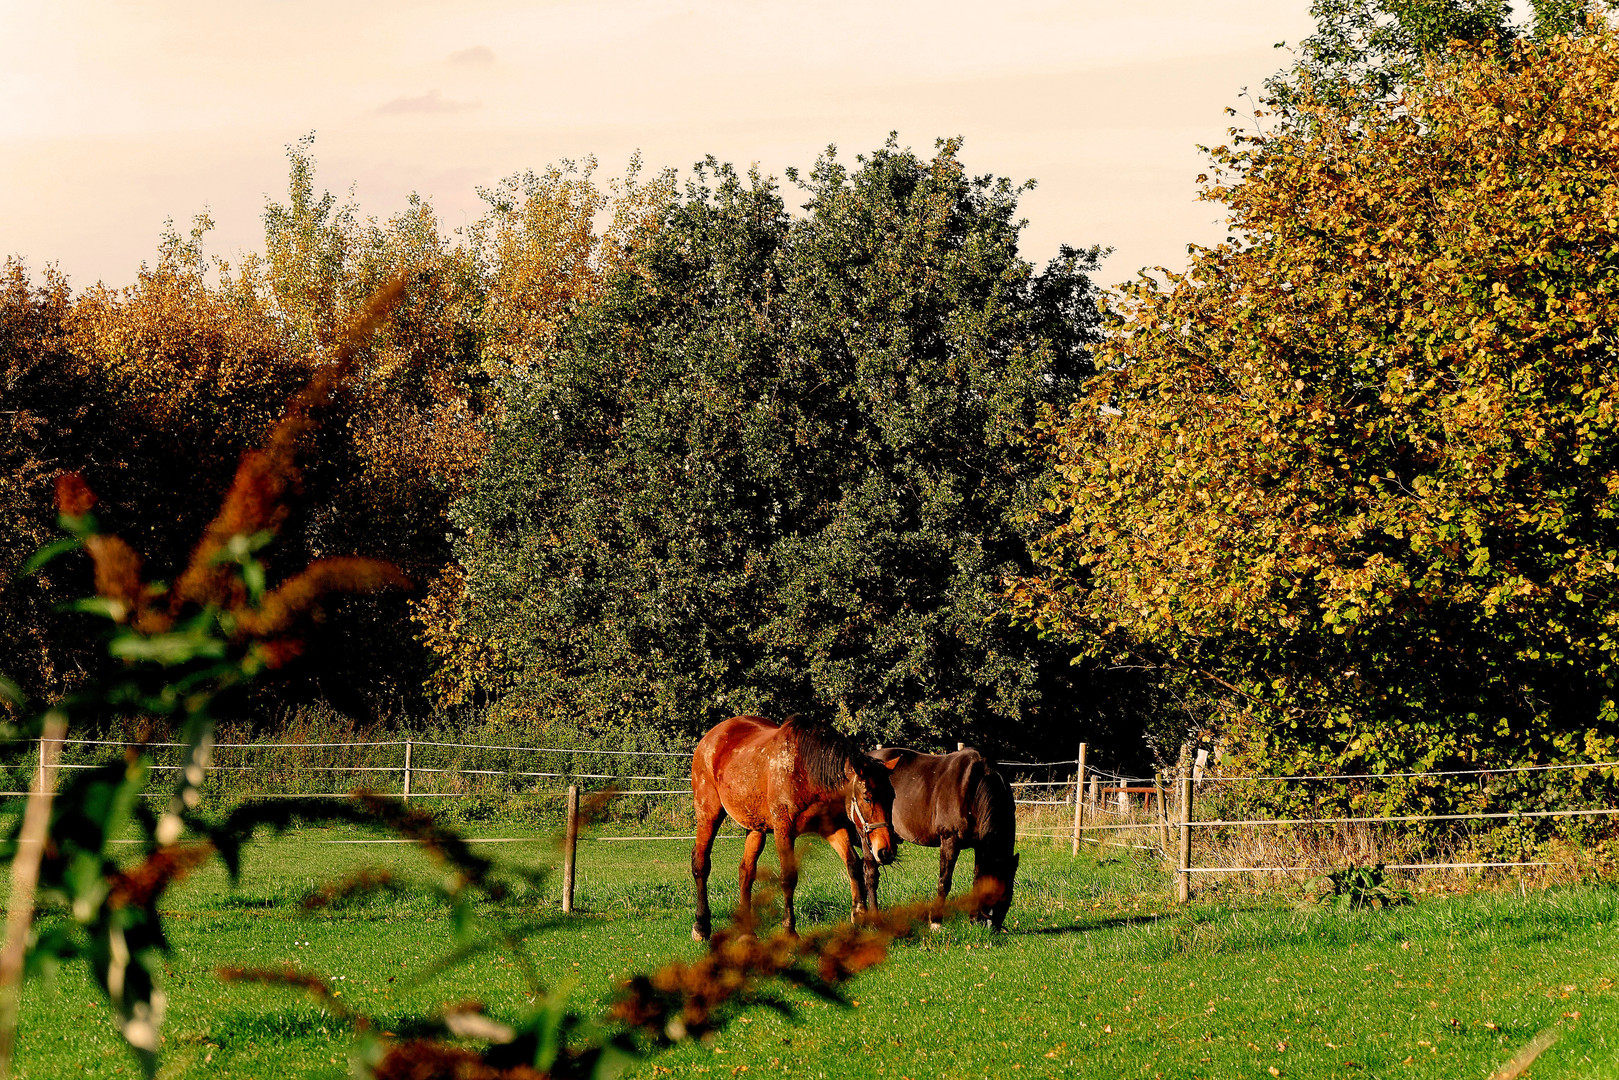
(749,870)
(708,824)
(850,853)
(948,851)
(869,873)
(789,874)
(869,868)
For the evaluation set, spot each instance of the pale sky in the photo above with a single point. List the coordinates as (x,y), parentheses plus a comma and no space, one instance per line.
(117,115)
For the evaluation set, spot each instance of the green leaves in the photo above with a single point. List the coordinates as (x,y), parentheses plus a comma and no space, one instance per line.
(196,642)
(50,552)
(776,466)
(1356,887)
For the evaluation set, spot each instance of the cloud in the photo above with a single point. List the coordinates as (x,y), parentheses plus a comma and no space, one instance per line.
(429,102)
(477,56)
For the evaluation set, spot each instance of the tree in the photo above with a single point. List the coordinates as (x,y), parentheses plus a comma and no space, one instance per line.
(192,372)
(1370,51)
(1357,471)
(154,392)
(45,399)
(775,466)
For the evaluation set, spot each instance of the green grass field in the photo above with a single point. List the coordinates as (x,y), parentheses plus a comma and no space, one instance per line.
(1098,976)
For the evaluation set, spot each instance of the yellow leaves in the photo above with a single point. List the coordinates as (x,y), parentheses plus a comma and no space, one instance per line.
(541,242)
(1444,287)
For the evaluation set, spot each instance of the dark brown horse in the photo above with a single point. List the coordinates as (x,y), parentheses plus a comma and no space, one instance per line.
(955,801)
(793,778)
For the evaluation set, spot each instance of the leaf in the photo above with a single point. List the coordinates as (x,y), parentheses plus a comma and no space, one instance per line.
(47,554)
(168,650)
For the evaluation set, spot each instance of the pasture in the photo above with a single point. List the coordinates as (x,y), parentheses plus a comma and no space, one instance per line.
(1098,976)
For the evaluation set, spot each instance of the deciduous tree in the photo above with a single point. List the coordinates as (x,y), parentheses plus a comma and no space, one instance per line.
(775,465)
(1358,469)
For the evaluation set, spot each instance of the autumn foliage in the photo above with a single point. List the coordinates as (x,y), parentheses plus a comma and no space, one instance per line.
(1354,476)
(1343,494)
(154,393)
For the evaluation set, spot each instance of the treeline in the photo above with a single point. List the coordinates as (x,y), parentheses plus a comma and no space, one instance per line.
(153,392)
(1341,495)
(714,457)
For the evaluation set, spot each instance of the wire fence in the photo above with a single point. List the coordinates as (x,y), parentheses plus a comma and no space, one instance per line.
(410,768)
(430,768)
(1546,817)
(1466,819)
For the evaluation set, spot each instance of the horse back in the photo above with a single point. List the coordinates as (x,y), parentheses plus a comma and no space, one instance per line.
(936,795)
(731,764)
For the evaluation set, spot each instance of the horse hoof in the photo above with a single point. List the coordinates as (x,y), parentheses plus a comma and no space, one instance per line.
(698,934)
(935,926)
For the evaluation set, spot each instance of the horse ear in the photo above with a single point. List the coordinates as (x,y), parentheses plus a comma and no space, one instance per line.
(891,764)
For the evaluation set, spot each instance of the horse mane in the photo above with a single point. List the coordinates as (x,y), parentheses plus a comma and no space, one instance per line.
(991,807)
(824,750)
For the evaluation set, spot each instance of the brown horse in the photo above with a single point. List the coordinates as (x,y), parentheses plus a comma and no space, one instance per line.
(955,801)
(794,778)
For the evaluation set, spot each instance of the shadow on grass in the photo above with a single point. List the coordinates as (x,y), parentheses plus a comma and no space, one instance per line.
(1114,922)
(256,903)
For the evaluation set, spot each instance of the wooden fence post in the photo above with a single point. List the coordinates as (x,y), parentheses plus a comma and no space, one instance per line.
(961,746)
(25,862)
(1163,811)
(406,795)
(570,846)
(1183,875)
(1079,796)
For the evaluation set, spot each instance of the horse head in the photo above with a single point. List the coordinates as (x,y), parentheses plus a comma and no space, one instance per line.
(870,796)
(993,877)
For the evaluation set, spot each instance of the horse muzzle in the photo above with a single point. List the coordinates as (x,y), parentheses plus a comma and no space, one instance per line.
(883,846)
